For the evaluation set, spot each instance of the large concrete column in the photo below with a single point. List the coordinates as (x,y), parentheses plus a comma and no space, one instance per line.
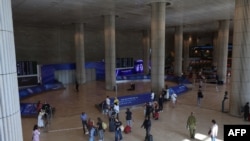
(215,49)
(109,38)
(178,43)
(80,56)
(240,80)
(10,116)
(223,36)
(186,59)
(158,46)
(146,51)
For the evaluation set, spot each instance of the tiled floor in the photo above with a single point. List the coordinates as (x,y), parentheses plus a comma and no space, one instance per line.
(66,124)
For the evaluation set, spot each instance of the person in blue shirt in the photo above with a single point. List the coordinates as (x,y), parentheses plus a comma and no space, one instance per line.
(84,122)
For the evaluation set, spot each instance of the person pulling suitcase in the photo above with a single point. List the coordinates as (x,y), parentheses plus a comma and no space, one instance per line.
(147,126)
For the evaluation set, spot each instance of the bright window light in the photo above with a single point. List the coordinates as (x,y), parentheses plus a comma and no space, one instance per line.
(202,137)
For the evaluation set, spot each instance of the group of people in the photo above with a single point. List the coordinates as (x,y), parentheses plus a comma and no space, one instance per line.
(98,129)
(44,113)
(112,111)
(92,129)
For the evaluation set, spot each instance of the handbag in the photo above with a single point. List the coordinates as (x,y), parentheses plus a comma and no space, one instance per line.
(122,128)
(209,131)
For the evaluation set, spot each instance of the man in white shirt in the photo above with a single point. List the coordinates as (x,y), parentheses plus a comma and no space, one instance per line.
(213,131)
(152,96)
(117,109)
(108,101)
(173,98)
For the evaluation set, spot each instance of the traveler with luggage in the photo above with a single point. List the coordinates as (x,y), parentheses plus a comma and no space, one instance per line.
(147,126)
(118,131)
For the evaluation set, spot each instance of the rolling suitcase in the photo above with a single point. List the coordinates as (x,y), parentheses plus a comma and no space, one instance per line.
(149,138)
(127,129)
(156,115)
(111,125)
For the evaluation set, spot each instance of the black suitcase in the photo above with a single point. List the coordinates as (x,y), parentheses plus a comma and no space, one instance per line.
(149,138)
(111,125)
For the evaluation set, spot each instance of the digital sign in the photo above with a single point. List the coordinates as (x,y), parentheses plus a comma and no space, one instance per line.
(26,68)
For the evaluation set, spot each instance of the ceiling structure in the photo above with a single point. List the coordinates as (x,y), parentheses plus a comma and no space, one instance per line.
(194,15)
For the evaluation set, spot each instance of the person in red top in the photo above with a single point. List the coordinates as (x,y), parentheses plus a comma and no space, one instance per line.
(90,123)
(39,106)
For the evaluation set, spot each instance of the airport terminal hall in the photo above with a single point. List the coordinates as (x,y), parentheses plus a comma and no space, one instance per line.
(124,70)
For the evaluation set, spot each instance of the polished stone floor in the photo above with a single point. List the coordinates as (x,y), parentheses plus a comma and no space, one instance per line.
(66,124)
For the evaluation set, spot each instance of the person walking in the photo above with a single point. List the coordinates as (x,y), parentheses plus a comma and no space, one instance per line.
(108,101)
(191,125)
(117,110)
(40,119)
(173,99)
(246,111)
(213,130)
(118,131)
(100,129)
(199,97)
(147,126)
(128,117)
(148,109)
(152,96)
(35,133)
(160,102)
(77,86)
(84,119)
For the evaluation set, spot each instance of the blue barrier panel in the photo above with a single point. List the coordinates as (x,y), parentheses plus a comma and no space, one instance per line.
(28,109)
(135,99)
(133,77)
(179,89)
(69,66)
(23,93)
(47,73)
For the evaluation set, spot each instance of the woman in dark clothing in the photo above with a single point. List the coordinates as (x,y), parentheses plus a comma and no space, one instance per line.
(148,110)
(160,101)
(147,126)
(199,97)
(100,129)
(246,111)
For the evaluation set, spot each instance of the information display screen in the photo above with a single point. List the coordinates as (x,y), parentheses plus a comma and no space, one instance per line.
(27,73)
(27,81)
(124,62)
(26,68)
